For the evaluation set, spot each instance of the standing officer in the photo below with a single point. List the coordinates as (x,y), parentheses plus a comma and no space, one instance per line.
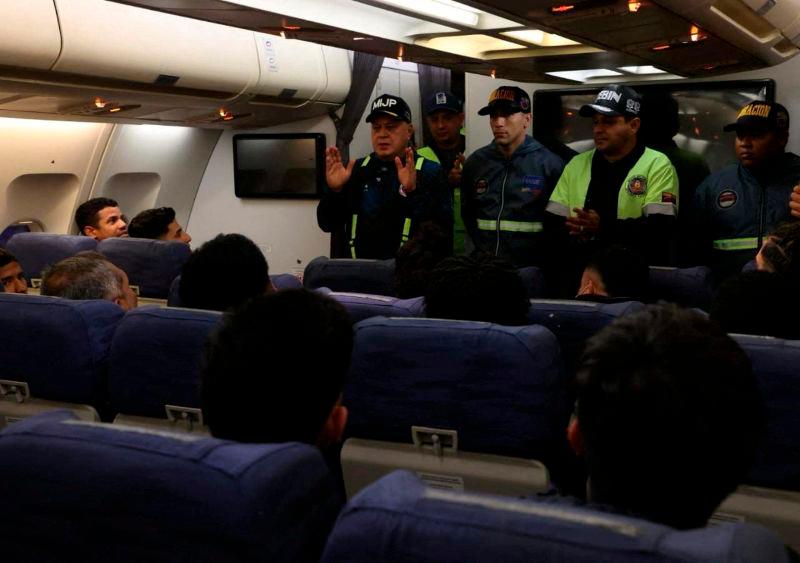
(739,205)
(444,114)
(505,185)
(377,202)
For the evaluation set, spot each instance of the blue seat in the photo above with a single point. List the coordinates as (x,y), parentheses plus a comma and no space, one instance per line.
(358,276)
(398,519)
(155,360)
(689,287)
(573,322)
(59,348)
(534,281)
(363,305)
(494,389)
(150,264)
(36,251)
(10,231)
(100,492)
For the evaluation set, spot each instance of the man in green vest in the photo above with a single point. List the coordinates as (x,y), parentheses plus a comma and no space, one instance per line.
(444,114)
(618,193)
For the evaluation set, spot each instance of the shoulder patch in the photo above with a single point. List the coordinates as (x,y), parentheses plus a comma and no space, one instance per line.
(481,185)
(667,197)
(637,185)
(727,199)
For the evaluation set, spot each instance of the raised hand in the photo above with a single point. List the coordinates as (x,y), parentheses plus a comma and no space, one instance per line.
(454,176)
(794,202)
(407,173)
(336,174)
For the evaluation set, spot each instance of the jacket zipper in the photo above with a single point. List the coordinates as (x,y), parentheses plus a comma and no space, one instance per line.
(500,214)
(761,213)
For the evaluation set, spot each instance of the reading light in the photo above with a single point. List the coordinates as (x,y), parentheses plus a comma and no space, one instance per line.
(115,109)
(99,103)
(562,8)
(694,33)
(633,6)
(282,34)
(400,53)
(223,113)
(493,73)
(438,9)
(662,47)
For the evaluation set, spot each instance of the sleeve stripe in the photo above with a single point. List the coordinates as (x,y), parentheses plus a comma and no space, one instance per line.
(661,209)
(557,208)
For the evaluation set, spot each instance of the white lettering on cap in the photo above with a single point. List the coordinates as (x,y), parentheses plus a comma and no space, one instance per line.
(441,98)
(383,103)
(609,95)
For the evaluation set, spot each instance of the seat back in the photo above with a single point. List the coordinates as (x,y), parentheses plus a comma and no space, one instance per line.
(155,361)
(534,281)
(10,231)
(280,281)
(493,389)
(99,492)
(37,251)
(573,322)
(363,305)
(399,519)
(359,276)
(57,348)
(150,264)
(689,287)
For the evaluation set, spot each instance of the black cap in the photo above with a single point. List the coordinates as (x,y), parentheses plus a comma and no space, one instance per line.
(614,100)
(765,116)
(509,97)
(393,106)
(445,101)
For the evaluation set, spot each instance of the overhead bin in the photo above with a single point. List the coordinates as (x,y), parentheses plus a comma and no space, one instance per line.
(29,34)
(110,40)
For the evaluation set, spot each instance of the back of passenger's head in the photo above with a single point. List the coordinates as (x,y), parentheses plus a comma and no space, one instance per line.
(482,288)
(418,257)
(668,416)
(151,223)
(87,275)
(86,214)
(223,273)
(276,369)
(757,302)
(780,253)
(616,271)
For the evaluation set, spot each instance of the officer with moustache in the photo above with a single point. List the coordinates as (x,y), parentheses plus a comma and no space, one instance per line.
(377,202)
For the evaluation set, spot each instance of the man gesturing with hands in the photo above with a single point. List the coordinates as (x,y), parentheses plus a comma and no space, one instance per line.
(374,204)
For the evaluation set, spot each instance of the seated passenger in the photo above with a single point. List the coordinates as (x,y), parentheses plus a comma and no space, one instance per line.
(100,218)
(275,371)
(158,223)
(668,416)
(11,277)
(759,303)
(417,258)
(88,275)
(780,252)
(615,274)
(223,273)
(482,288)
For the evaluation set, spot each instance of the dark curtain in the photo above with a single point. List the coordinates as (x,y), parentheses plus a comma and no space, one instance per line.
(432,79)
(366,69)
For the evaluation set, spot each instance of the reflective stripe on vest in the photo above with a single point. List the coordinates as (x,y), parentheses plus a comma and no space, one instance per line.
(428,153)
(749,243)
(511,226)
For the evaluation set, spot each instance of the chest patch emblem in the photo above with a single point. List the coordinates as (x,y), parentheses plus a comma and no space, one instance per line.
(727,199)
(481,185)
(637,185)
(532,184)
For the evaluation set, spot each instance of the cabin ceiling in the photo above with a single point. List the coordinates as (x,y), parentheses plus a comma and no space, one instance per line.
(604,34)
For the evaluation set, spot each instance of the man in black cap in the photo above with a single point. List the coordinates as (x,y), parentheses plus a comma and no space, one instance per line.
(444,114)
(377,202)
(505,185)
(739,205)
(618,193)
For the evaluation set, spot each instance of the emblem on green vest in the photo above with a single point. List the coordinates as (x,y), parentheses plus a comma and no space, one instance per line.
(637,185)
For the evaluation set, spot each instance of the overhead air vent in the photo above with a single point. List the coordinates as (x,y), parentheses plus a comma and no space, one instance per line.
(166,80)
(743,17)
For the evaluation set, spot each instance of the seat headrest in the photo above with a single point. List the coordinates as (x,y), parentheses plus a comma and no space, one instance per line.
(399,519)
(150,264)
(689,287)
(37,251)
(359,276)
(363,305)
(133,494)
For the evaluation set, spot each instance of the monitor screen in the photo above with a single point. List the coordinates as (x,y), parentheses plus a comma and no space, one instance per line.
(703,109)
(280,165)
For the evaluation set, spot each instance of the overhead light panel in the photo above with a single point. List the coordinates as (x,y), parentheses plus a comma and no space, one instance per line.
(438,10)
(584,75)
(644,69)
(475,46)
(540,38)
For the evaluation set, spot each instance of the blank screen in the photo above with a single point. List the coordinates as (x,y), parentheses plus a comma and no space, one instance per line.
(277,167)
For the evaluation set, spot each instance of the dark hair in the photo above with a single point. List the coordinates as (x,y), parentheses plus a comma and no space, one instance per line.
(6,257)
(757,302)
(86,214)
(624,272)
(418,257)
(276,368)
(233,257)
(782,250)
(483,288)
(670,415)
(87,275)
(151,223)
